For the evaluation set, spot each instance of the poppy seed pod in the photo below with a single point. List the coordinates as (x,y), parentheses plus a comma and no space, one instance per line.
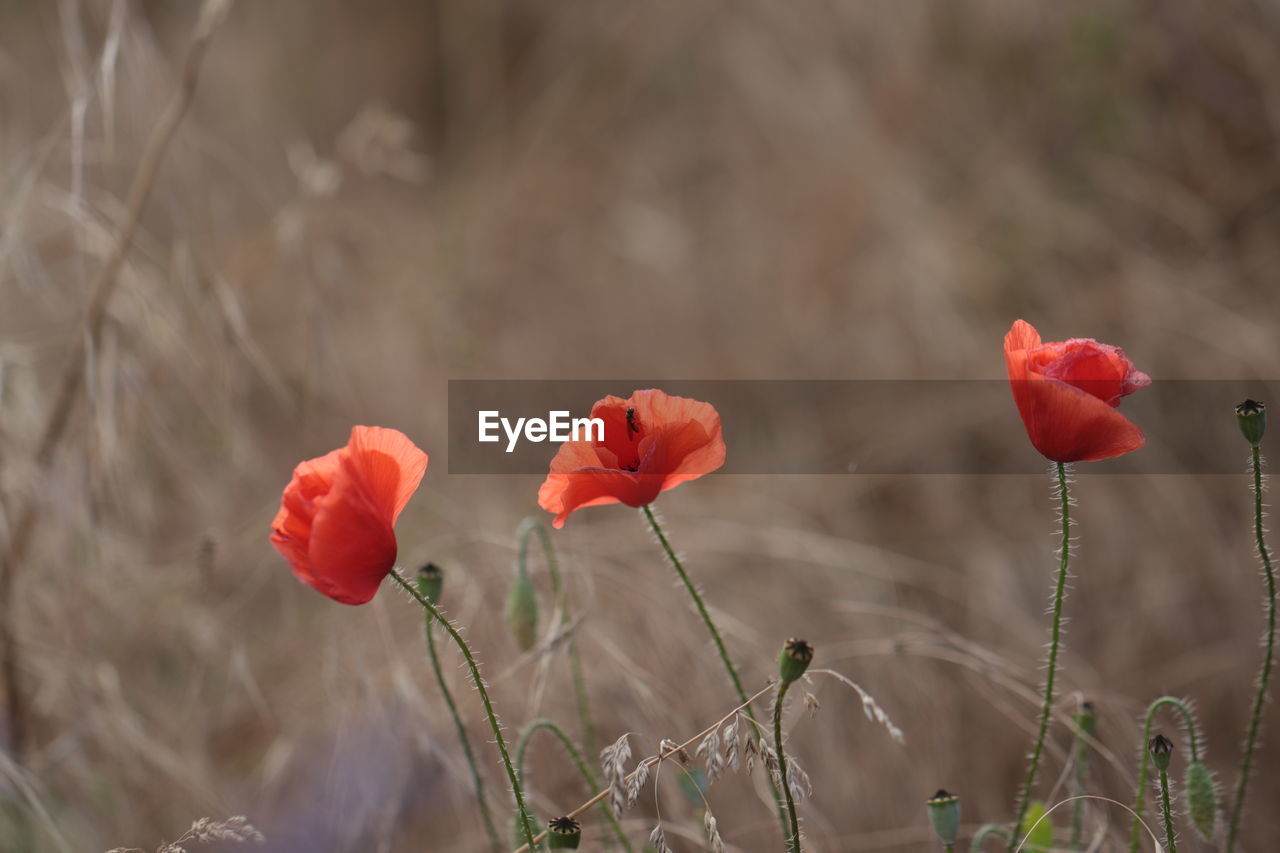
(522,612)
(1252,417)
(564,833)
(944,814)
(430,582)
(1161,749)
(1202,798)
(794,660)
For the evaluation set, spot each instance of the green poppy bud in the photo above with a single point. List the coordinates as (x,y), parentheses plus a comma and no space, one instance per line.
(1202,798)
(522,612)
(563,833)
(430,582)
(794,660)
(1086,718)
(944,814)
(1161,749)
(1252,416)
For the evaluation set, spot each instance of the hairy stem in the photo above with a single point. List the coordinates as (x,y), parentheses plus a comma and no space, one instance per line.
(1167,812)
(1268,657)
(526,823)
(1024,799)
(1144,759)
(584,770)
(719,643)
(477,781)
(793,831)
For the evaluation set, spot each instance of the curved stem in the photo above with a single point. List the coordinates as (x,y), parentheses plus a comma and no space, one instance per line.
(1055,641)
(584,770)
(986,832)
(526,823)
(1193,743)
(1168,812)
(1264,674)
(528,527)
(719,643)
(477,781)
(793,833)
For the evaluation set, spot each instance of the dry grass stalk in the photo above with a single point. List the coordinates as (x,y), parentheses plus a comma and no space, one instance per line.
(236,830)
(212,12)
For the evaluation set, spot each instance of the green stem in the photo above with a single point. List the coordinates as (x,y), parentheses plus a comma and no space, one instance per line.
(1168,812)
(526,823)
(1059,593)
(476,779)
(584,770)
(985,832)
(1144,758)
(527,528)
(720,647)
(793,832)
(1077,808)
(1264,674)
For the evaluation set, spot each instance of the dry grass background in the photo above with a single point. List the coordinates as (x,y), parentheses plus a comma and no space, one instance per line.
(371,198)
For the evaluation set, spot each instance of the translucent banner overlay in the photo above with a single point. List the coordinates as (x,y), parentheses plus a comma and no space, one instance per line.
(875,427)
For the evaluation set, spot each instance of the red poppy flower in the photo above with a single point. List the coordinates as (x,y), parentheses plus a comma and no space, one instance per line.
(336,520)
(652,442)
(1067,394)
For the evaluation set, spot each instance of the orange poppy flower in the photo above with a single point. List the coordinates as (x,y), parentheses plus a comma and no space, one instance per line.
(1067,392)
(336,520)
(652,442)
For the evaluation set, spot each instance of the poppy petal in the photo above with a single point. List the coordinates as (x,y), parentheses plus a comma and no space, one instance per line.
(352,545)
(291,528)
(1067,424)
(388,465)
(564,493)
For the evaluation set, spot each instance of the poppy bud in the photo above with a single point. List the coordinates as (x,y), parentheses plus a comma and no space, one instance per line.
(1202,798)
(1161,749)
(1252,417)
(1086,718)
(794,660)
(522,612)
(563,833)
(944,814)
(430,582)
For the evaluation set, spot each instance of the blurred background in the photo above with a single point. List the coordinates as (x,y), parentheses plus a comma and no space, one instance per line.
(370,198)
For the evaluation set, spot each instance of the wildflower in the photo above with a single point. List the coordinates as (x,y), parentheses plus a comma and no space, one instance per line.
(336,520)
(1067,392)
(652,442)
